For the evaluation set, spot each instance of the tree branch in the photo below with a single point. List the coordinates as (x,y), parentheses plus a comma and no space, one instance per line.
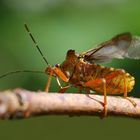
(21,103)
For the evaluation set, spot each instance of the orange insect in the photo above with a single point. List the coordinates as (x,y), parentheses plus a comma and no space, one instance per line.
(83,72)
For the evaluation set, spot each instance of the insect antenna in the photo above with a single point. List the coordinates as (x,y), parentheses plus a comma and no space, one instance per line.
(20,71)
(36,45)
(28,71)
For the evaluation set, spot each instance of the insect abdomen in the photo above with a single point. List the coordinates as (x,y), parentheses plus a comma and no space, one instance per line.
(116,81)
(119,83)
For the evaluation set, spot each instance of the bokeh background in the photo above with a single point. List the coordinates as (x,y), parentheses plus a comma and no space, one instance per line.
(59,25)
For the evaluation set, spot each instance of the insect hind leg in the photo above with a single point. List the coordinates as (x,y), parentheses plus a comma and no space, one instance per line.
(105,98)
(126,92)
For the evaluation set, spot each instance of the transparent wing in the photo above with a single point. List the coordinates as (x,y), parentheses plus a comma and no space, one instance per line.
(134,49)
(120,46)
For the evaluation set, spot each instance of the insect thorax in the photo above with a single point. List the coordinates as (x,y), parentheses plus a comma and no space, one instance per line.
(68,66)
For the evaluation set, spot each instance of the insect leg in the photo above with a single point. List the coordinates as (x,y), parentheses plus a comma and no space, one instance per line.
(49,81)
(79,90)
(99,83)
(60,74)
(125,93)
(115,74)
(62,89)
(105,101)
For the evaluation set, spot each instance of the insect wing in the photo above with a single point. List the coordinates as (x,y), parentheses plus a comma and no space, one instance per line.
(134,49)
(117,47)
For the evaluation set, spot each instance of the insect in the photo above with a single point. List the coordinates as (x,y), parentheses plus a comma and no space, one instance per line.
(84,72)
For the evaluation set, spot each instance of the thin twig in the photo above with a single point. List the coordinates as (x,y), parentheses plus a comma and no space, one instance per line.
(21,103)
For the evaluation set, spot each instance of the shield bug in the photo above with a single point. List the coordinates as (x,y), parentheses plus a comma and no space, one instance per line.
(83,71)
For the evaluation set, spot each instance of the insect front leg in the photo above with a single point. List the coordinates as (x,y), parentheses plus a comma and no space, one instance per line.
(62,89)
(54,71)
(49,81)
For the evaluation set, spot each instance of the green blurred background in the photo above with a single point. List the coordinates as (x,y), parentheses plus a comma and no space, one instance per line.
(59,25)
